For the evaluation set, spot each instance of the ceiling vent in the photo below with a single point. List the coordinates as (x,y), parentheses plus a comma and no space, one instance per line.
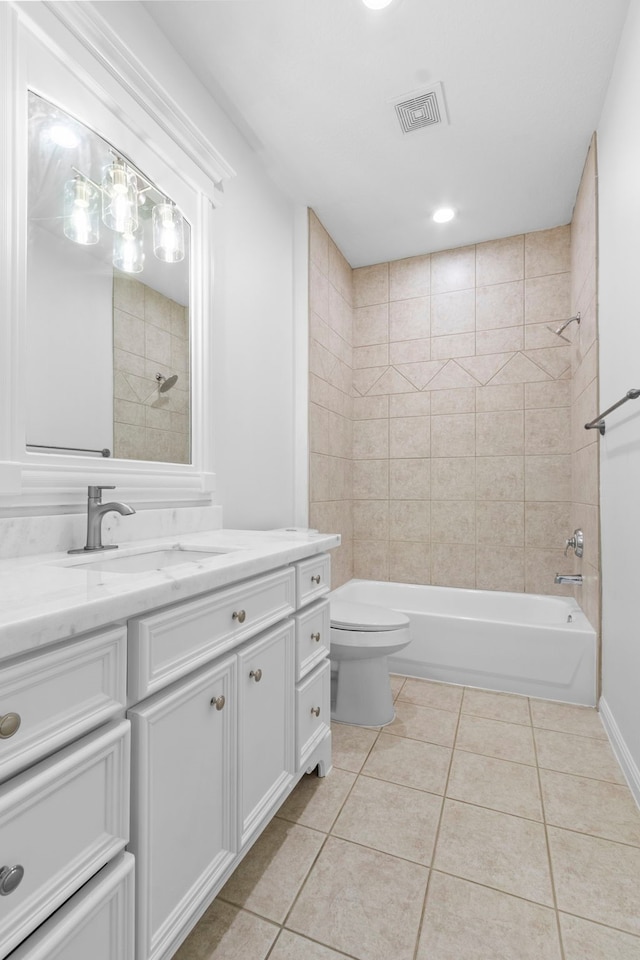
(424,108)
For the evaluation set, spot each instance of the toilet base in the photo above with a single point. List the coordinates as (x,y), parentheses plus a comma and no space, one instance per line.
(363,695)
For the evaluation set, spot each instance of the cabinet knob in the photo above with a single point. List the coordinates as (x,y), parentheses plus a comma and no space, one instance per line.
(315,711)
(256,675)
(316,578)
(316,637)
(9,724)
(239,615)
(10,878)
(218,702)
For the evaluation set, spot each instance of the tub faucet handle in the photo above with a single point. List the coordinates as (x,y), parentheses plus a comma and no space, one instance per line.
(575,543)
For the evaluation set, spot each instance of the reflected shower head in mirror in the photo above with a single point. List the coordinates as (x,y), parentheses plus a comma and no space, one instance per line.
(165,383)
(559,331)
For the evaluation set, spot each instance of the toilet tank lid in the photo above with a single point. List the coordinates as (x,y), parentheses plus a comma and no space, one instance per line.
(365,616)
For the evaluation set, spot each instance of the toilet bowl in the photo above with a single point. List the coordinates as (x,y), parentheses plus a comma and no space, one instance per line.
(362,637)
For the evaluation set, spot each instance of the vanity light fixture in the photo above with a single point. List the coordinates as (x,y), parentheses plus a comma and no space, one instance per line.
(444,215)
(81,211)
(119,197)
(63,135)
(128,251)
(168,233)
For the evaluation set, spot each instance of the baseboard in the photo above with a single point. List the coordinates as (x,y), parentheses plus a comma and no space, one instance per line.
(629,766)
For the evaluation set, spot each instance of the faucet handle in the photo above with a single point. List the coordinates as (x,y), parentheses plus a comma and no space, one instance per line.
(96,491)
(575,543)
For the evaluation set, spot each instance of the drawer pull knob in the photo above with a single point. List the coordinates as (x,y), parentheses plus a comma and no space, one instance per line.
(256,675)
(10,878)
(238,615)
(316,579)
(218,702)
(316,636)
(9,724)
(315,711)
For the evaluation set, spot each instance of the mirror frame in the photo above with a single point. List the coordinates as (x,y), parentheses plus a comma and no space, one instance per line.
(70,55)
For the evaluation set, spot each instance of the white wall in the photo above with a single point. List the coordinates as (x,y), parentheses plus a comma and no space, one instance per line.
(619,318)
(253,319)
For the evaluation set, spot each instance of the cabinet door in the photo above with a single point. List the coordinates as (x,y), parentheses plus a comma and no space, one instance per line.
(183,829)
(266,725)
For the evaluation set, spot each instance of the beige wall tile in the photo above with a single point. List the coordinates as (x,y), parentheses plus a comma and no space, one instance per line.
(548,393)
(453,521)
(502,340)
(409,562)
(457,345)
(371,285)
(509,396)
(409,437)
(500,521)
(585,475)
(453,270)
(370,479)
(499,261)
(539,335)
(547,431)
(453,435)
(319,467)
(410,405)
(126,411)
(500,568)
(374,356)
(128,333)
(500,478)
(500,433)
(371,325)
(410,319)
(548,477)
(370,520)
(460,400)
(409,520)
(500,305)
(370,408)
(340,273)
(453,478)
(453,313)
(128,295)
(318,292)
(547,298)
(547,251)
(410,278)
(318,244)
(547,524)
(370,439)
(453,565)
(410,351)
(541,567)
(371,559)
(409,479)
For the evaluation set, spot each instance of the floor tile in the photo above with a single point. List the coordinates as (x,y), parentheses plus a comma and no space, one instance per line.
(465,921)
(412,763)
(429,693)
(391,818)
(227,933)
(316,801)
(270,876)
(291,946)
(499,784)
(496,706)
(596,879)
(496,738)
(397,683)
(590,806)
(567,718)
(495,849)
(581,756)
(361,902)
(583,940)
(423,723)
(350,745)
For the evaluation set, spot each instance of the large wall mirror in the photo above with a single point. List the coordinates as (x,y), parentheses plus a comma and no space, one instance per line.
(107,332)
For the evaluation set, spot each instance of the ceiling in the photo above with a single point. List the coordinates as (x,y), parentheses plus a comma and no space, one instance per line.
(311,84)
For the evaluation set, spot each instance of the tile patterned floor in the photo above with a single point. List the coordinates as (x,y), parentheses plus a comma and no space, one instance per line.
(477,825)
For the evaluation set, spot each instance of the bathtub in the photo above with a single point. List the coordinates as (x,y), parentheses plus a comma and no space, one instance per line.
(515,642)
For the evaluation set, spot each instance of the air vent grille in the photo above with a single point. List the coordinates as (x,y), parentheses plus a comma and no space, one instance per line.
(421,109)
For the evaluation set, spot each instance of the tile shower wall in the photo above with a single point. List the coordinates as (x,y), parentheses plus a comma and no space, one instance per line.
(462,416)
(585,394)
(330,388)
(151,336)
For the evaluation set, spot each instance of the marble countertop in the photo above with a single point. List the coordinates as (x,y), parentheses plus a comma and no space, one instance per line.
(50,597)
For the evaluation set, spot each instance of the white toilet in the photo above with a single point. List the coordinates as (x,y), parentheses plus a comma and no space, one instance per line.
(362,637)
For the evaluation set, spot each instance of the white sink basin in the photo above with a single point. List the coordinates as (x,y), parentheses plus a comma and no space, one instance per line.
(150,560)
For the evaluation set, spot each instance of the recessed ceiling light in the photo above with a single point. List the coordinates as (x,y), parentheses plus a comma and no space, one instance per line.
(376,4)
(444,214)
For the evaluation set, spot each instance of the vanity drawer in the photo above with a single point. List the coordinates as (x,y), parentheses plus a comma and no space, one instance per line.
(49,699)
(61,822)
(313,628)
(169,644)
(313,578)
(97,922)
(313,708)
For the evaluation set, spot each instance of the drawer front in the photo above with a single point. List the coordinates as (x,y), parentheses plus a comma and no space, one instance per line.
(169,644)
(313,627)
(313,578)
(61,821)
(313,711)
(58,696)
(97,922)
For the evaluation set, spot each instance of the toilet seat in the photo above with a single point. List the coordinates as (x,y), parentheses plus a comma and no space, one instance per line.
(365,617)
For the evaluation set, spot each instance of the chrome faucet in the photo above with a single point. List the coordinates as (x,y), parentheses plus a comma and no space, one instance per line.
(574,578)
(96,510)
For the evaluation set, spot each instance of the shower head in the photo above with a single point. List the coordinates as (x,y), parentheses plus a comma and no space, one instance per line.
(165,383)
(559,331)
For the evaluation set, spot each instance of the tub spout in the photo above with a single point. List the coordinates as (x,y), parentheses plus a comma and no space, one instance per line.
(575,578)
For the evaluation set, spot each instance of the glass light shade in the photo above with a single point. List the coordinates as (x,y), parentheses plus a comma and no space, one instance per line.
(128,252)
(444,214)
(168,233)
(81,211)
(119,198)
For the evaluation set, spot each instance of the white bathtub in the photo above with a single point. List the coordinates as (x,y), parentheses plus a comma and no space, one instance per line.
(516,642)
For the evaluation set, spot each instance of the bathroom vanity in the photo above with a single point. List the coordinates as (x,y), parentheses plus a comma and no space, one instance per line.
(152,722)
